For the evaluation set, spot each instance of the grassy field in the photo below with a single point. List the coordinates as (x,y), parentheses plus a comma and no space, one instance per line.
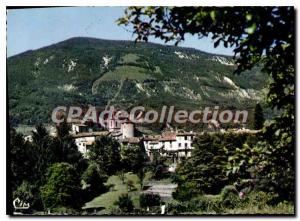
(126,72)
(129,58)
(27,129)
(118,188)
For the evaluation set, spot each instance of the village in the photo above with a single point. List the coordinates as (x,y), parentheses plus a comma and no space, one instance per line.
(172,143)
(150,110)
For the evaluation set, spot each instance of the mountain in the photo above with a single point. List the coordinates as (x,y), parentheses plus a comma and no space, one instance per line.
(88,71)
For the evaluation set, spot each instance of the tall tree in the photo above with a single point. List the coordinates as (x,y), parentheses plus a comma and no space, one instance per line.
(258,117)
(206,170)
(42,152)
(65,148)
(106,154)
(22,161)
(62,187)
(205,167)
(94,180)
(133,157)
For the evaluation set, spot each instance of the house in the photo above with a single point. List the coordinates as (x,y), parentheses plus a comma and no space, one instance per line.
(84,141)
(28,138)
(152,144)
(79,128)
(122,129)
(175,145)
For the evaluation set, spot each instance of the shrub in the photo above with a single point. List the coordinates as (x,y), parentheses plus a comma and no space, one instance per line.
(64,211)
(24,192)
(125,203)
(29,193)
(230,198)
(227,190)
(175,208)
(149,200)
(207,204)
(159,172)
(186,191)
(203,204)
(260,198)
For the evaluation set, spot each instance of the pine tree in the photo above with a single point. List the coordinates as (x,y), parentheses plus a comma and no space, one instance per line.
(106,154)
(258,117)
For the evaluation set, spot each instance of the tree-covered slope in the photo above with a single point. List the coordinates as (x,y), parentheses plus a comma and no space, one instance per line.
(86,71)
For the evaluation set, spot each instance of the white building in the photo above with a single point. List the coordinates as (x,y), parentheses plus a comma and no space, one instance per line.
(120,128)
(79,128)
(172,144)
(177,145)
(84,141)
(127,129)
(28,138)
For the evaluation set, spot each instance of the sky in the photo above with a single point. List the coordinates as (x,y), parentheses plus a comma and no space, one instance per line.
(30,29)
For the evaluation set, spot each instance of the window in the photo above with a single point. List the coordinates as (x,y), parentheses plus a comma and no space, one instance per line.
(186,145)
(179,145)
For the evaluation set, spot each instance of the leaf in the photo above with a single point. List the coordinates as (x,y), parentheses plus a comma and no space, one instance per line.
(213,15)
(216,44)
(248,17)
(250,30)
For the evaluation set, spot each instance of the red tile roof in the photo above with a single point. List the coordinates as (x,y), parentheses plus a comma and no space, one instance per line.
(168,138)
(131,140)
(92,134)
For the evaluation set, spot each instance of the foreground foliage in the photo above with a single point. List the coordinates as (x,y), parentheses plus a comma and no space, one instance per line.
(62,188)
(263,36)
(228,202)
(206,172)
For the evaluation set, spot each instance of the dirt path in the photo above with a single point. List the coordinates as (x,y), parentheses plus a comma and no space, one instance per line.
(163,190)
